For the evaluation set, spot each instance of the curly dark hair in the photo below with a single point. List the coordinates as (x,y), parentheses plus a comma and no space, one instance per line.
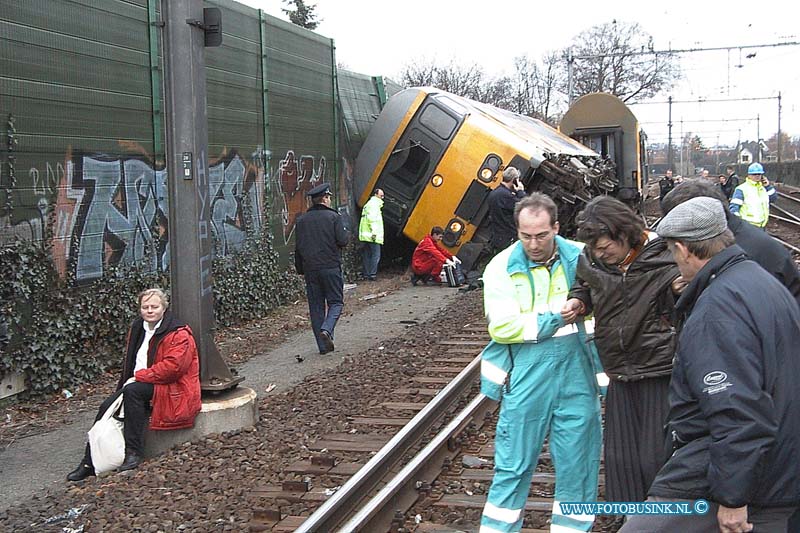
(605,216)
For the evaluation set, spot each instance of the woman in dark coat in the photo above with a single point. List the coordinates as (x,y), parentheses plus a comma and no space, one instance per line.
(161,371)
(627,278)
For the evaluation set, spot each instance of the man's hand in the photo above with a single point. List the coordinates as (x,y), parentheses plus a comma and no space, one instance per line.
(678,284)
(571,310)
(733,520)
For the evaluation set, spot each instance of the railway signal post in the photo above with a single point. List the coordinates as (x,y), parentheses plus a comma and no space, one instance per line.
(186,31)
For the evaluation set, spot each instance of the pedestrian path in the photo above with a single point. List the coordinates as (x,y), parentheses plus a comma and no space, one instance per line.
(34,464)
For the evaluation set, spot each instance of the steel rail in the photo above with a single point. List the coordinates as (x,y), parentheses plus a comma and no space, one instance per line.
(368,517)
(786,244)
(784,219)
(344,502)
(788,197)
(784,212)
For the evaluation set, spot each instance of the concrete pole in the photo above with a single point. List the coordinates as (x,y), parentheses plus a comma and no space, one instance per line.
(187,167)
(669,136)
(758,138)
(779,131)
(570,77)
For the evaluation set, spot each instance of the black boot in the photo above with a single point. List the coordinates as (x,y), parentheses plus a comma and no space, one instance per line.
(132,461)
(414,279)
(327,341)
(84,470)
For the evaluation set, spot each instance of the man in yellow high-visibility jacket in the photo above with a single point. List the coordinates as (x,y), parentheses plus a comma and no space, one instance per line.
(751,199)
(543,369)
(370,233)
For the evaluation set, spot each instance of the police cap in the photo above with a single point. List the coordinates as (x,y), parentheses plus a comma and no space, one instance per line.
(319,190)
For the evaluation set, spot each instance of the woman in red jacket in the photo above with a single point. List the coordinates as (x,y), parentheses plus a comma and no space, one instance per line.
(429,257)
(164,372)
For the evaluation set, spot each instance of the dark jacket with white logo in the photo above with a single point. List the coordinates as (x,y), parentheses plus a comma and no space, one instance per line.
(735,391)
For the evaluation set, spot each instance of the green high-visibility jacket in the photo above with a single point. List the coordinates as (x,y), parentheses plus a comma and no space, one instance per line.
(371,227)
(523,303)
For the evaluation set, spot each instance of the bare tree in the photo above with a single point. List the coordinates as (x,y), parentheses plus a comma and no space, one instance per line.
(613,58)
(536,86)
(467,81)
(303,14)
(498,92)
(533,90)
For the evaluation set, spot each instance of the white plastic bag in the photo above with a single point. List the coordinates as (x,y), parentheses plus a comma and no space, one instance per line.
(106,440)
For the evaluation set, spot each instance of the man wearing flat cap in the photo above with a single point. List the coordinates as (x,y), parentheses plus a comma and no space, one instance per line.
(734,420)
(319,237)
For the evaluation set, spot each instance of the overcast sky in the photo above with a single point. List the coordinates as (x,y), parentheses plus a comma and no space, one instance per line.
(379,38)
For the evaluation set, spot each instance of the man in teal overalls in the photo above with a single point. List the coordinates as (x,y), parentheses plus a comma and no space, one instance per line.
(543,370)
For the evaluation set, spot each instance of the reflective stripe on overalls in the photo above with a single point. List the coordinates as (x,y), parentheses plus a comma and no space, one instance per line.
(550,390)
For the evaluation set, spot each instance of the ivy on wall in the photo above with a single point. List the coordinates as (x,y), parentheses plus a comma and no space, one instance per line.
(59,334)
(251,283)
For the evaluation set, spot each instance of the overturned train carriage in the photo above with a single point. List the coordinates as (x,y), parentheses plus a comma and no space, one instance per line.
(437,156)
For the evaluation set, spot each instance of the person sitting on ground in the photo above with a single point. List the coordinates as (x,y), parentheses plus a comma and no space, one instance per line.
(162,366)
(429,258)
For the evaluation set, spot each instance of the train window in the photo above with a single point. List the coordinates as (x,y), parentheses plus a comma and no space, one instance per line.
(452,104)
(437,121)
(410,163)
(473,199)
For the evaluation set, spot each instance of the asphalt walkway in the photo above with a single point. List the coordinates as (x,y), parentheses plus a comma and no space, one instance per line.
(34,464)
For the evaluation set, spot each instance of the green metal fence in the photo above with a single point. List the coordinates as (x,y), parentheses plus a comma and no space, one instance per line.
(82,161)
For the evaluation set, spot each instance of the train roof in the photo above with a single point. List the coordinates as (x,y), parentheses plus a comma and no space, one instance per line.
(537,137)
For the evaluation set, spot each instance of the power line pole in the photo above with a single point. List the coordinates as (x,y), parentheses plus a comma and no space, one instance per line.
(669,136)
(758,137)
(570,77)
(190,248)
(779,129)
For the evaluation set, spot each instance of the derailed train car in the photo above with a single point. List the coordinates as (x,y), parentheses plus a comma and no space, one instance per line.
(437,156)
(605,124)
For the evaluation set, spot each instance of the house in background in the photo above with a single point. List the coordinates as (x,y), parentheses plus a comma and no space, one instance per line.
(745,156)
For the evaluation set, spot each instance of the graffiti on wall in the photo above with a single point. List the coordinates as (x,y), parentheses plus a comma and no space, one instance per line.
(295,177)
(114,210)
(111,211)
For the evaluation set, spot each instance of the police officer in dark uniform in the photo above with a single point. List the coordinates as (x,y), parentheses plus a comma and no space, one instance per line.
(319,237)
(666,184)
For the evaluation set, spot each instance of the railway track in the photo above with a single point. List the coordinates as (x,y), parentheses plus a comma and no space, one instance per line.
(428,473)
(346,469)
(785,220)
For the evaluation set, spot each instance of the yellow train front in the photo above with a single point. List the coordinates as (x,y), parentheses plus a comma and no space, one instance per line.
(437,156)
